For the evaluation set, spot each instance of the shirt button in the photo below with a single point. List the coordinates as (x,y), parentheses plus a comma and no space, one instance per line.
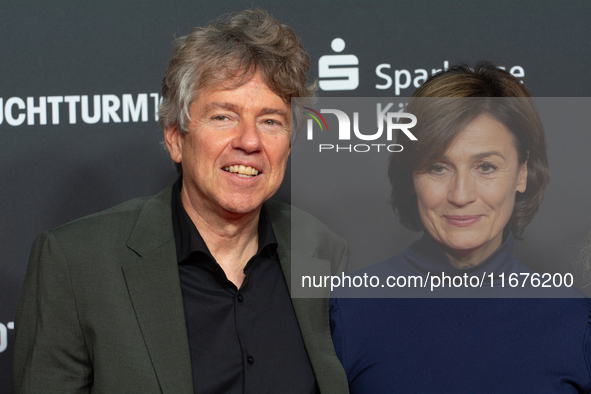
(240,299)
(250,359)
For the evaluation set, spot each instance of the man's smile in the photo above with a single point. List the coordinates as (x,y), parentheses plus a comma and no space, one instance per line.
(242,171)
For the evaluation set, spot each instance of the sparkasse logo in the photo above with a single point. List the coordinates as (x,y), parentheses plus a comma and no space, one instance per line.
(340,72)
(339,68)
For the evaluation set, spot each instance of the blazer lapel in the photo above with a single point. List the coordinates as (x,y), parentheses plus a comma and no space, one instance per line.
(154,289)
(312,313)
(296,253)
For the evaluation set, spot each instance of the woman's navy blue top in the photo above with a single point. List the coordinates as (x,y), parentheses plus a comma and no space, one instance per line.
(462,345)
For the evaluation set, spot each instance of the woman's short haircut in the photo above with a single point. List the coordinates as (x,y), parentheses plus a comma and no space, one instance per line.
(444,105)
(226,54)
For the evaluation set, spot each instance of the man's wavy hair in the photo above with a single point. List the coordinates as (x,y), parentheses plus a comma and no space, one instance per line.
(226,54)
(444,105)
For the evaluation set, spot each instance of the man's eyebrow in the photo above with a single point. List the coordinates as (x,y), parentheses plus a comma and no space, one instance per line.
(274,111)
(228,106)
(234,108)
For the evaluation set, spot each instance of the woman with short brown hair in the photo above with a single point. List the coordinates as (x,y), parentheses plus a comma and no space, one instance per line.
(473,180)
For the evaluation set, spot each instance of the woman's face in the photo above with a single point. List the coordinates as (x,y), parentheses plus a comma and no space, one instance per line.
(466,198)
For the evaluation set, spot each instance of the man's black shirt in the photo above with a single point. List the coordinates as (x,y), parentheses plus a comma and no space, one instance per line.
(244,340)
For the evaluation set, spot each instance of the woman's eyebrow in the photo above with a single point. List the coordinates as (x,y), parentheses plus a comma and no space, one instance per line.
(478,156)
(488,154)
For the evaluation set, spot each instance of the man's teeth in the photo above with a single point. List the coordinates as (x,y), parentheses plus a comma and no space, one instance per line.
(241,170)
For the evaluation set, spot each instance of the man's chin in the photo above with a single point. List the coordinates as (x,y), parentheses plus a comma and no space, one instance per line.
(243,207)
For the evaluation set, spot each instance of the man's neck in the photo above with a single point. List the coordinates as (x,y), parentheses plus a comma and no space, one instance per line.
(232,239)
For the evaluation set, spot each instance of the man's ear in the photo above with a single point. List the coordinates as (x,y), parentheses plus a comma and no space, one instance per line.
(174,143)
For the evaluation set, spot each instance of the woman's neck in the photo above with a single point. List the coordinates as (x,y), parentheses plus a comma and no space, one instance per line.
(466,258)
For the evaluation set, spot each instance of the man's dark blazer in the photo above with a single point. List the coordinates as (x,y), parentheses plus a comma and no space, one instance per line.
(101,309)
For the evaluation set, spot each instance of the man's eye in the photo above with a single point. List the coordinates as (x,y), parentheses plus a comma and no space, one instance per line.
(220,117)
(271,122)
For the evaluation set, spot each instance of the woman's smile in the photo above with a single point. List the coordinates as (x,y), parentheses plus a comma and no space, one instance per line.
(466,197)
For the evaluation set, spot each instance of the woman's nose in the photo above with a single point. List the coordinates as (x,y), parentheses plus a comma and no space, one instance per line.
(462,189)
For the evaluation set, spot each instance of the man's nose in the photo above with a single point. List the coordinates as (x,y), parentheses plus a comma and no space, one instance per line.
(462,189)
(247,137)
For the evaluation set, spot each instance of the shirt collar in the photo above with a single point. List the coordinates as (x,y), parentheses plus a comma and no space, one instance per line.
(427,255)
(188,239)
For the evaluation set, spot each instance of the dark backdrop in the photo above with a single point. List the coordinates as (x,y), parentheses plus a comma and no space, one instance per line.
(50,51)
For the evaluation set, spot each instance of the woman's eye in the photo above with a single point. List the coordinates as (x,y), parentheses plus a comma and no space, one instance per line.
(487,168)
(437,169)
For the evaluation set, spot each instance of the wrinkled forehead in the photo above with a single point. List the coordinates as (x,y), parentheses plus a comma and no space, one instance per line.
(232,76)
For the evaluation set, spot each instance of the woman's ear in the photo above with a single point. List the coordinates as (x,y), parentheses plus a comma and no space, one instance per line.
(522,176)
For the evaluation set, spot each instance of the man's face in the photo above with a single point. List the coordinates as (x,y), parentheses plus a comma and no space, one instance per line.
(236,150)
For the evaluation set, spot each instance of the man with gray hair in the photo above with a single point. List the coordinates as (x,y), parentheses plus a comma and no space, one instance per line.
(188,291)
